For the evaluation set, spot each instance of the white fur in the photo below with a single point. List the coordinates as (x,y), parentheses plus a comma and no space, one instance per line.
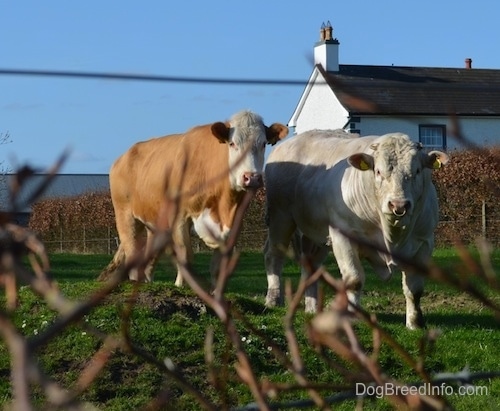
(209,230)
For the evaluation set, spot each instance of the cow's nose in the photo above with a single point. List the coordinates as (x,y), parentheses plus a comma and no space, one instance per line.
(399,207)
(252,180)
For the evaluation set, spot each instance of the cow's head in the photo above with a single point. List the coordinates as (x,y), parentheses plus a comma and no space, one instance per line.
(246,137)
(401,172)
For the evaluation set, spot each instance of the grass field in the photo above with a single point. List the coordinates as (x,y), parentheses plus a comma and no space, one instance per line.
(167,323)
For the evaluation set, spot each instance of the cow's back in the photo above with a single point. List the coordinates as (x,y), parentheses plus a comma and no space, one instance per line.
(300,171)
(289,159)
(307,156)
(141,177)
(137,176)
(318,147)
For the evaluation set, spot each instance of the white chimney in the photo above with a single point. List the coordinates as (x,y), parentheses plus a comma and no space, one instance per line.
(326,50)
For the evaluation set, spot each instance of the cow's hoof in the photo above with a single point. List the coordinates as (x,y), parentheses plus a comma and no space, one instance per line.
(416,322)
(311,305)
(273,298)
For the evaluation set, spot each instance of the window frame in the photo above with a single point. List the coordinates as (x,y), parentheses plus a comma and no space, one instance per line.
(441,127)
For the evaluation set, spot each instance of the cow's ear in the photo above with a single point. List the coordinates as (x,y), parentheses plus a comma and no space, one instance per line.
(276,132)
(436,159)
(361,161)
(221,131)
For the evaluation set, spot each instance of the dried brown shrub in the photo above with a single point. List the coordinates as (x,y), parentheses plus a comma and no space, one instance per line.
(469,179)
(469,184)
(74,220)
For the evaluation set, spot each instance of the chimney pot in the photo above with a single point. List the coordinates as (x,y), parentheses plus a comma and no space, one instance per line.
(322,32)
(328,31)
(468,63)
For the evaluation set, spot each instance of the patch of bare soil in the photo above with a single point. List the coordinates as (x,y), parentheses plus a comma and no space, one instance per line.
(163,303)
(165,306)
(440,309)
(431,301)
(463,302)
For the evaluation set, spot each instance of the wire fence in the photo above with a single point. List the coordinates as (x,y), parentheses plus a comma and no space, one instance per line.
(106,241)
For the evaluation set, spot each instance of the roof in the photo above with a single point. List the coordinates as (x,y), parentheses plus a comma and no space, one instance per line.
(62,185)
(393,90)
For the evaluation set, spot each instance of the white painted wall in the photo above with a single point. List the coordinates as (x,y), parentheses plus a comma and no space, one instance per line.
(382,125)
(481,131)
(320,110)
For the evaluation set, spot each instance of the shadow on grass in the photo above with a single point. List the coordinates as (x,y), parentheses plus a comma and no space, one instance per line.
(446,320)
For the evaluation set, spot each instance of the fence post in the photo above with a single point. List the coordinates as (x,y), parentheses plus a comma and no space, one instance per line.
(84,241)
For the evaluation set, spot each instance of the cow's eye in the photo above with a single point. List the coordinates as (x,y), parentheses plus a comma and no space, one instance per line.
(232,145)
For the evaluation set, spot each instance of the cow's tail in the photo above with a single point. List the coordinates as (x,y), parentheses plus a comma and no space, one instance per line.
(115,263)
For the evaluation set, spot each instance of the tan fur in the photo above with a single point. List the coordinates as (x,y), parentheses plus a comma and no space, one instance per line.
(194,166)
(141,174)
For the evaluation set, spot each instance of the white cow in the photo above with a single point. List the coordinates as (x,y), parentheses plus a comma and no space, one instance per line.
(377,189)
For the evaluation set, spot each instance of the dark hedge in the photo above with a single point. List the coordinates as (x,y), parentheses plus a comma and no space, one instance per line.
(467,187)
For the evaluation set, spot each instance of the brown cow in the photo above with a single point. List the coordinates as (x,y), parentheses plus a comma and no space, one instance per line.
(214,175)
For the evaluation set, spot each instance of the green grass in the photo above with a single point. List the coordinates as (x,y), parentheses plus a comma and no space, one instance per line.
(166,323)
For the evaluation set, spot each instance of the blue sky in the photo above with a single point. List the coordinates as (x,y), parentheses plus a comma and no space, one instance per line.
(260,39)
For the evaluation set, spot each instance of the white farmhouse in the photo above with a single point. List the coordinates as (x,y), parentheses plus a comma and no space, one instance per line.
(427,103)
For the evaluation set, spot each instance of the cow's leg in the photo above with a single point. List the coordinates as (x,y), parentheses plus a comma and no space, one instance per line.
(313,256)
(215,266)
(274,258)
(346,253)
(136,250)
(183,249)
(150,265)
(215,262)
(280,231)
(132,241)
(413,288)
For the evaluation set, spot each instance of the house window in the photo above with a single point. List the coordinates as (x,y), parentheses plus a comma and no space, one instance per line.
(433,136)
(354,124)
